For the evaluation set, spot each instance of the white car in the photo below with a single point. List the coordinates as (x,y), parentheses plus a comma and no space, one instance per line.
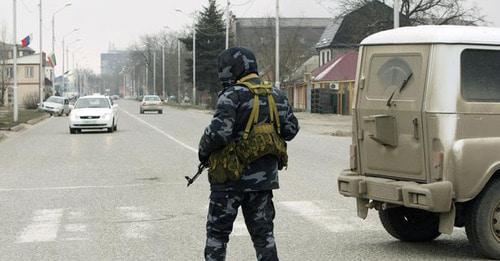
(151,103)
(93,112)
(57,105)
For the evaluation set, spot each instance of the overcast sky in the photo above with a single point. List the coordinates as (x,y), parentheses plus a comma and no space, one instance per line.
(121,22)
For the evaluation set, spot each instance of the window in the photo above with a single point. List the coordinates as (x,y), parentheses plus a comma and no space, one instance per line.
(389,72)
(10,72)
(28,72)
(480,79)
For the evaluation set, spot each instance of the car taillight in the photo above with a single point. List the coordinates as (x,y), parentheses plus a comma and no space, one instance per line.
(437,160)
(354,156)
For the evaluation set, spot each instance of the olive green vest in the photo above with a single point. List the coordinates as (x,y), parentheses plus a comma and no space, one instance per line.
(259,139)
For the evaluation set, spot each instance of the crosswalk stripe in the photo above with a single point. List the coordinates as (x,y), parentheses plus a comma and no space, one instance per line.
(137,225)
(343,220)
(44,227)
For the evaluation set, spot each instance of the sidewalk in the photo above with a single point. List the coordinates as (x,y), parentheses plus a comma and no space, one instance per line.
(325,124)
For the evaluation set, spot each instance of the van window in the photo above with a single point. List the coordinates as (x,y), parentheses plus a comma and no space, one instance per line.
(388,72)
(480,75)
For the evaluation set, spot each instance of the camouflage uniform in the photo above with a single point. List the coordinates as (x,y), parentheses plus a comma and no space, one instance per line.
(253,192)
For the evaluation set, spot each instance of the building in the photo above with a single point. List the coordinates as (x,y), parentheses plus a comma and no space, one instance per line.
(28,78)
(298,37)
(113,61)
(345,34)
(333,85)
(298,85)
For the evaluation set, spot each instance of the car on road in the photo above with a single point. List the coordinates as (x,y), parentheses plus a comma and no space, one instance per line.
(57,105)
(151,103)
(93,112)
(425,151)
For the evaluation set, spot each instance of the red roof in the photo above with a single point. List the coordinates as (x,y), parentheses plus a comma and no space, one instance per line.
(342,68)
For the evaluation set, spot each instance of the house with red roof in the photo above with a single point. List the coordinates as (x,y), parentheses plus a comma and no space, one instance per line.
(333,84)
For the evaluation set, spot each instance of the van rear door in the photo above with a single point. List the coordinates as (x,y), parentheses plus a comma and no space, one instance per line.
(389,118)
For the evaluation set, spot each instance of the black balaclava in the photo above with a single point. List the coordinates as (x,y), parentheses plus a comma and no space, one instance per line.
(234,64)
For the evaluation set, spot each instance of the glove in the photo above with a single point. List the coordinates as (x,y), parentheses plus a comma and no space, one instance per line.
(204,159)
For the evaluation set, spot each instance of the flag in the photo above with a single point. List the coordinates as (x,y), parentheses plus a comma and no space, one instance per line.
(26,41)
(52,60)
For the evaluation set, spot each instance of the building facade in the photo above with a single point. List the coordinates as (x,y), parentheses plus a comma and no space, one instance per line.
(28,78)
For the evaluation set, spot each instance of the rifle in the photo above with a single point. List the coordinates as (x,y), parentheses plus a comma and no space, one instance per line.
(201,167)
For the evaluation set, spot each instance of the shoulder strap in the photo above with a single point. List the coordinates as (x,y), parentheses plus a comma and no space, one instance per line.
(261,90)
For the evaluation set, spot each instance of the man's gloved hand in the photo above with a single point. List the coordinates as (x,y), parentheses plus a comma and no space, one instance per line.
(204,159)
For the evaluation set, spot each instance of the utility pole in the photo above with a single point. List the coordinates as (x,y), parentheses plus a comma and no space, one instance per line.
(277,69)
(154,72)
(194,59)
(41,70)
(14,40)
(178,70)
(62,74)
(146,80)
(228,24)
(163,68)
(396,8)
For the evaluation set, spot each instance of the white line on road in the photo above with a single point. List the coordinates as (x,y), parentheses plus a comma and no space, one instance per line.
(161,132)
(137,228)
(88,187)
(343,220)
(44,226)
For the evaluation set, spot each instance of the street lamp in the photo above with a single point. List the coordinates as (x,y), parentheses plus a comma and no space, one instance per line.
(53,35)
(194,52)
(53,24)
(63,51)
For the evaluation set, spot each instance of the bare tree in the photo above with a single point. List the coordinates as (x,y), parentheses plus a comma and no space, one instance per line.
(424,11)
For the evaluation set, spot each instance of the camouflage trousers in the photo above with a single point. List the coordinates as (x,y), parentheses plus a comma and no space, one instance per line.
(258,211)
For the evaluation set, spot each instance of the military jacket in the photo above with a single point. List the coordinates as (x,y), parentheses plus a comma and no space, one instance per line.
(232,112)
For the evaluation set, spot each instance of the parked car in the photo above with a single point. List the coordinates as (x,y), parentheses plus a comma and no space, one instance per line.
(425,151)
(57,105)
(151,103)
(93,112)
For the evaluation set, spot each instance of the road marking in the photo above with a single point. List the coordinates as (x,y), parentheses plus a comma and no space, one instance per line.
(336,220)
(138,226)
(44,227)
(89,187)
(161,132)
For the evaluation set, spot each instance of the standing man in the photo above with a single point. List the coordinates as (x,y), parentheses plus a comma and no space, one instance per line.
(245,147)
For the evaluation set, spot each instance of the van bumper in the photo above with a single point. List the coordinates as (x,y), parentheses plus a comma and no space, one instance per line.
(434,197)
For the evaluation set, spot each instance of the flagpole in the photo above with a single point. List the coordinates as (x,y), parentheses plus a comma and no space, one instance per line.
(14,39)
(41,72)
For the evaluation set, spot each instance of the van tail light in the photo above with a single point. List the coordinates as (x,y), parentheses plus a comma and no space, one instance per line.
(437,165)
(437,161)
(354,156)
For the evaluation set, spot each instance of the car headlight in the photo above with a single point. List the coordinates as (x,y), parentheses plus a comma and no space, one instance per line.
(74,116)
(106,116)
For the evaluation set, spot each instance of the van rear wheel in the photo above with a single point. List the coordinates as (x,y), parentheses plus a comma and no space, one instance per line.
(483,222)
(409,224)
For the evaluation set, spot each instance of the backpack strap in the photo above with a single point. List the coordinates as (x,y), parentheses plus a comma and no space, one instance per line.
(261,90)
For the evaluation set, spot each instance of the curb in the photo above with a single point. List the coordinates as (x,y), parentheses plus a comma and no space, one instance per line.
(18,127)
(37,120)
(341,133)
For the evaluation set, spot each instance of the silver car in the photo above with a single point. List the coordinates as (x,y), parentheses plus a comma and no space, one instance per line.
(151,103)
(57,105)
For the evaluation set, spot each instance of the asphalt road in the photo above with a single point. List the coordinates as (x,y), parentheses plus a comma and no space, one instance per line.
(122,196)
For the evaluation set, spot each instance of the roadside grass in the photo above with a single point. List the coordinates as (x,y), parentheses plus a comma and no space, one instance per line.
(6,119)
